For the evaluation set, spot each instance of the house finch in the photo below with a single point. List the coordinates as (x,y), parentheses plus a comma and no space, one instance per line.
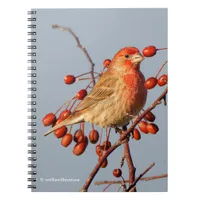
(118,95)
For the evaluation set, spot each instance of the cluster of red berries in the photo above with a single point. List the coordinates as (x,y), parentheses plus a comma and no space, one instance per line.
(145,126)
(79,138)
(101,149)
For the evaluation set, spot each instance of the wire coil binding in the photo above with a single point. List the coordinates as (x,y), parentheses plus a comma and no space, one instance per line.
(32,98)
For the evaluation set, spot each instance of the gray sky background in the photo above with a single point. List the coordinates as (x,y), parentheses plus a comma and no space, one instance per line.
(103,32)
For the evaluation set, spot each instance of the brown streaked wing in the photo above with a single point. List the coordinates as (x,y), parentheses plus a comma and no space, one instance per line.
(102,90)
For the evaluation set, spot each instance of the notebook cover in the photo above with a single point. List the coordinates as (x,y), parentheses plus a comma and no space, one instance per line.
(102,32)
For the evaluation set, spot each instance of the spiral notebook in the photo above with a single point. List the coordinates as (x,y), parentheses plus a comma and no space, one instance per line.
(69,51)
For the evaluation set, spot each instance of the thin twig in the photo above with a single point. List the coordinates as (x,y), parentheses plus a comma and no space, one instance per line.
(81,47)
(86,74)
(119,188)
(106,187)
(123,184)
(139,177)
(154,177)
(122,161)
(120,141)
(161,69)
(150,178)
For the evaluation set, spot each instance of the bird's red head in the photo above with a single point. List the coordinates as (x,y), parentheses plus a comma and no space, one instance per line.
(128,56)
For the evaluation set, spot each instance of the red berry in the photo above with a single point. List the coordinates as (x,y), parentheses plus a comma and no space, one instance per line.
(152,128)
(105,163)
(64,114)
(66,140)
(150,117)
(150,83)
(106,145)
(99,150)
(69,79)
(162,80)
(49,119)
(60,132)
(117,172)
(106,63)
(149,51)
(81,94)
(136,134)
(93,136)
(79,148)
(78,135)
(143,126)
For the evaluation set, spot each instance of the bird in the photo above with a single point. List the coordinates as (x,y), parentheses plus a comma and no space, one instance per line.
(117,97)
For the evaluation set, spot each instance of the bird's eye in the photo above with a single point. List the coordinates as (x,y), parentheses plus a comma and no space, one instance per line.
(126,56)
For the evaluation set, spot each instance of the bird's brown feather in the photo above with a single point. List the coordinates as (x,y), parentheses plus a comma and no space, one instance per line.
(102,90)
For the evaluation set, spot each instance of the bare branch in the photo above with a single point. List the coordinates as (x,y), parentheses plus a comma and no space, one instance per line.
(161,69)
(127,181)
(139,177)
(129,162)
(81,47)
(122,161)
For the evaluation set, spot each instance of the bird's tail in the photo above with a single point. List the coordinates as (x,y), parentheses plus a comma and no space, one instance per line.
(74,118)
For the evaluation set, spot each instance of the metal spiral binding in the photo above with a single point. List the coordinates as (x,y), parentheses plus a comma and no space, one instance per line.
(32,97)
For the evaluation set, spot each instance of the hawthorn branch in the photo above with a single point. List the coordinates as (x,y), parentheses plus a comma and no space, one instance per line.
(129,162)
(127,181)
(81,47)
(139,177)
(121,141)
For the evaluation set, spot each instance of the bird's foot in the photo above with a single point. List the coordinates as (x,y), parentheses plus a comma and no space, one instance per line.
(117,130)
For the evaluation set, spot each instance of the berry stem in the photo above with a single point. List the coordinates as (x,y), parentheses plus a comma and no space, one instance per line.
(70,129)
(73,104)
(82,126)
(92,126)
(101,133)
(68,102)
(108,133)
(82,79)
(161,69)
(160,49)
(86,74)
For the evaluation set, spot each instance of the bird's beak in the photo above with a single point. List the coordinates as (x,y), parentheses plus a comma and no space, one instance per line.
(137,58)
